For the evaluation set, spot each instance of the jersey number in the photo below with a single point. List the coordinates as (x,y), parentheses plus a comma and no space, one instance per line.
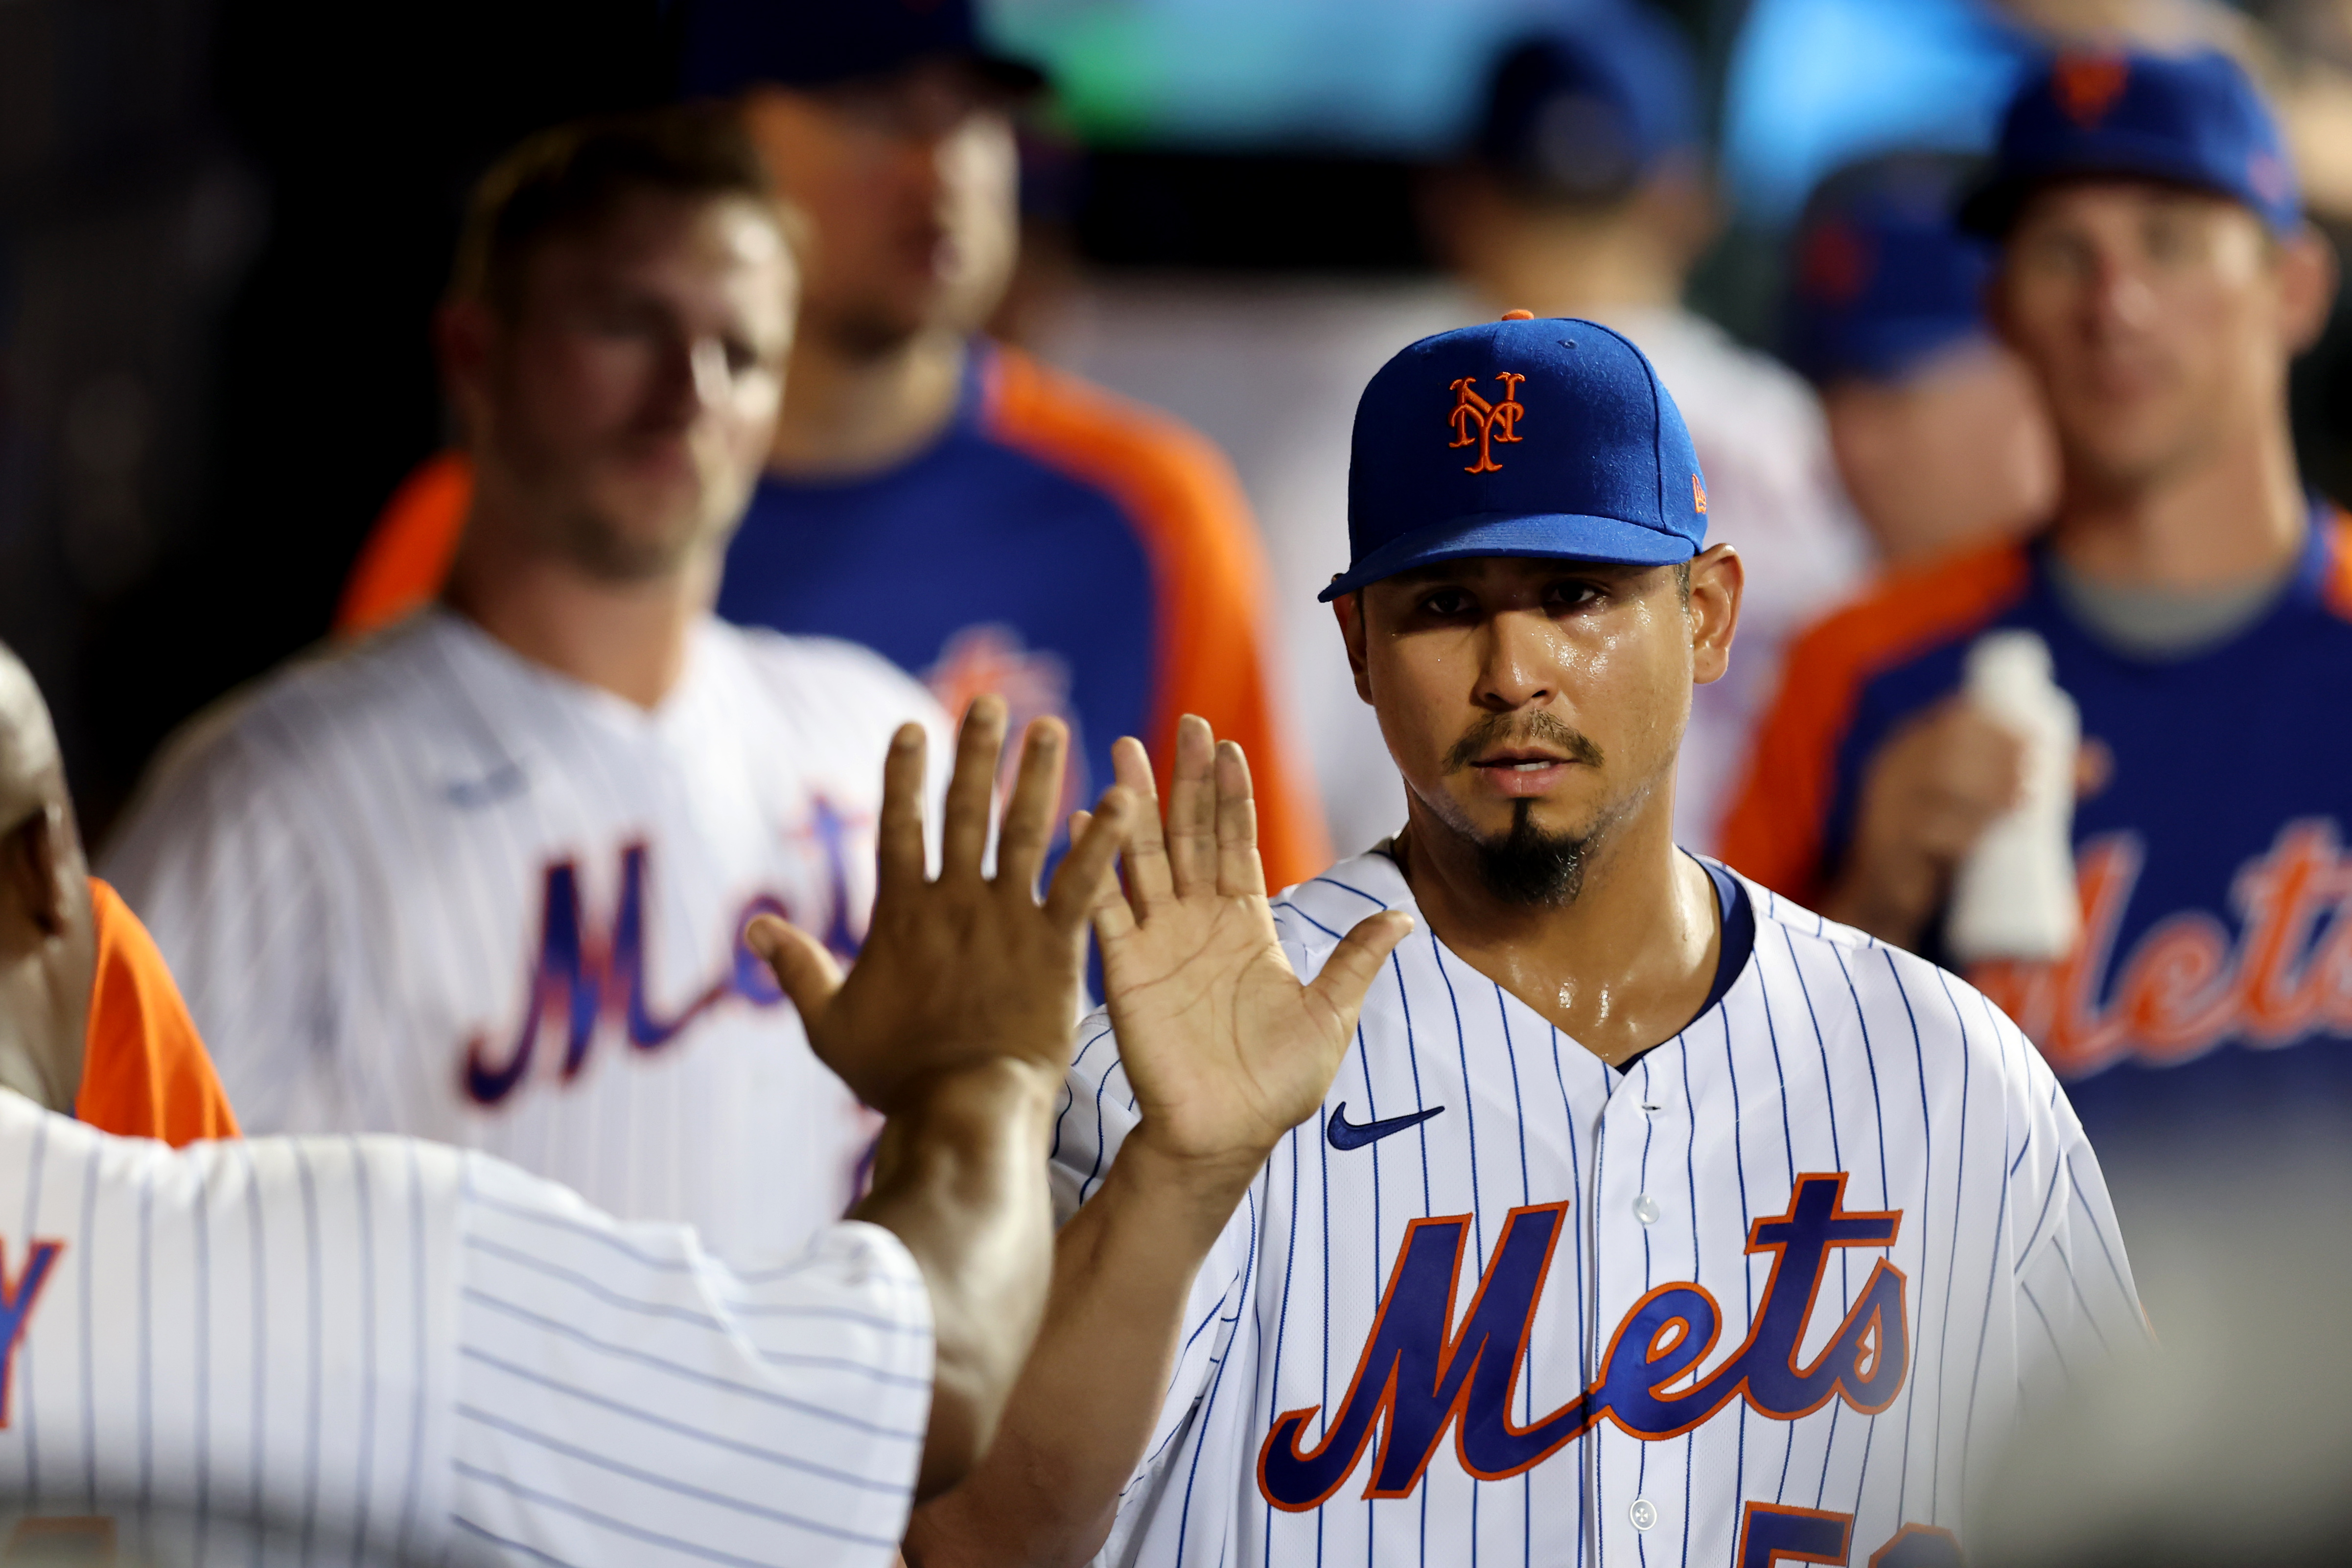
(1772,1533)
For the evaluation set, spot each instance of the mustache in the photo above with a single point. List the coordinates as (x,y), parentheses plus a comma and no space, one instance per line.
(1531,729)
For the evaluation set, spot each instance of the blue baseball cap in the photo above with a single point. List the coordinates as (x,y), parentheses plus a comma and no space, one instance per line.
(1589,106)
(731,45)
(1549,437)
(2187,120)
(1883,279)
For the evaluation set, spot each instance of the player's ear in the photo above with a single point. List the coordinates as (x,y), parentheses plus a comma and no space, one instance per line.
(1711,609)
(1349,608)
(32,862)
(2308,278)
(463,332)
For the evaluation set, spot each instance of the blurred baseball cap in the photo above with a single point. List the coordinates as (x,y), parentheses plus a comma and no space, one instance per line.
(1884,279)
(1588,106)
(2188,120)
(731,45)
(1528,436)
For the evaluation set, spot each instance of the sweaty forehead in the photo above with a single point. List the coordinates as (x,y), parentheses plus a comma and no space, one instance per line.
(1511,568)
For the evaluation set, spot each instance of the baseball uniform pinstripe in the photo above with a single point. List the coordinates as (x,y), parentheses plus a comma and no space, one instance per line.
(381,1344)
(426,886)
(1464,1315)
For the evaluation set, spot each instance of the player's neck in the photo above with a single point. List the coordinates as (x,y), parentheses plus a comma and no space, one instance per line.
(849,411)
(629,639)
(2238,516)
(1618,969)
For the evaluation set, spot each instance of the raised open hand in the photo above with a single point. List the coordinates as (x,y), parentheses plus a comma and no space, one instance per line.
(968,967)
(1225,1050)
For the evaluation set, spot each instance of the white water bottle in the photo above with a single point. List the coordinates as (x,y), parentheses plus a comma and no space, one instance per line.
(2013,896)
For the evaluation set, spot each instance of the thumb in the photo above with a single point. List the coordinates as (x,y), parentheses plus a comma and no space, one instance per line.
(803,968)
(1348,974)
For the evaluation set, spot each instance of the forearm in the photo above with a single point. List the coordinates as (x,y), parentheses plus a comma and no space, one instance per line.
(1123,1269)
(960,1178)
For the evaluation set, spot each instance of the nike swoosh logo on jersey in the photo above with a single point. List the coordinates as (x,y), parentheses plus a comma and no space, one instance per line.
(1346,1135)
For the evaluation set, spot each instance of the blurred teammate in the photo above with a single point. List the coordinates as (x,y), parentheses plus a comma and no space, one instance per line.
(2158,276)
(1937,429)
(382,1349)
(1586,195)
(989,524)
(1649,1217)
(484,878)
(77,965)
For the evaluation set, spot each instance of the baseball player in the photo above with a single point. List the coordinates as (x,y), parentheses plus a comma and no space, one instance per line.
(1082,556)
(483,878)
(142,1070)
(1649,1218)
(388,1346)
(2157,276)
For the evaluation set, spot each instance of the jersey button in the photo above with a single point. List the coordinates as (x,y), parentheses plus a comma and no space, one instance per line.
(1646,1209)
(1644,1513)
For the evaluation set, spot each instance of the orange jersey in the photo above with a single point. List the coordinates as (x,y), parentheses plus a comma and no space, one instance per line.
(145,1072)
(1075,552)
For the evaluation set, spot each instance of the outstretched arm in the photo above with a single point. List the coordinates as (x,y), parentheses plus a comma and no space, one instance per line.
(1226,1051)
(955,1024)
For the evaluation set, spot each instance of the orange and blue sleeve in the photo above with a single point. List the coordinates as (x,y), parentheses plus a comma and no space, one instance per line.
(145,1073)
(407,554)
(1778,828)
(1209,576)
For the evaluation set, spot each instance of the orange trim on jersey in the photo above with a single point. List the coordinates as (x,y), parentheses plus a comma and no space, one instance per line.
(1774,830)
(1209,574)
(406,558)
(2336,591)
(144,1071)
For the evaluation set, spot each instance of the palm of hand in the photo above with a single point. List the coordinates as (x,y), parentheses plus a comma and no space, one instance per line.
(1224,1047)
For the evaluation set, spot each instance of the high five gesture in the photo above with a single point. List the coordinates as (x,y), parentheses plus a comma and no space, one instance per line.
(1226,1051)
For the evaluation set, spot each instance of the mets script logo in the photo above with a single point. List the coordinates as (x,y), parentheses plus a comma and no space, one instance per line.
(580,980)
(1420,1375)
(1480,423)
(2087,86)
(2188,984)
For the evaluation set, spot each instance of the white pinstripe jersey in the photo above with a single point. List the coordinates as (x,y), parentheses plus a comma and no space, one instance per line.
(1774,1287)
(426,886)
(387,1345)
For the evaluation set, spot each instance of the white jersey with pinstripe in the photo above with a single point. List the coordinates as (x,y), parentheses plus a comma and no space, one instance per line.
(1774,1289)
(428,886)
(386,1346)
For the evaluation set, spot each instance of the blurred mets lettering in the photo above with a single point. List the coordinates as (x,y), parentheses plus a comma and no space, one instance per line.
(2088,85)
(1919,1546)
(1492,422)
(585,980)
(16,1299)
(1418,1378)
(2186,987)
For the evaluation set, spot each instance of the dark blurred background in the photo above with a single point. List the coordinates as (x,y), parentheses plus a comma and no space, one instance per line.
(224,224)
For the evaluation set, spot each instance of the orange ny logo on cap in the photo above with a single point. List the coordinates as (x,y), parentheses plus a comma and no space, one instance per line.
(1699,495)
(2086,86)
(1473,413)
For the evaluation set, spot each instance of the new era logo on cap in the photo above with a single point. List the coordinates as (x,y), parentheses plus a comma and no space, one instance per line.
(1579,453)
